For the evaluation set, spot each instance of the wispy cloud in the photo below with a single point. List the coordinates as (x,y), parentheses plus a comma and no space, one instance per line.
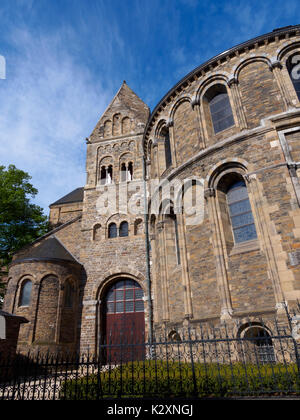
(48,105)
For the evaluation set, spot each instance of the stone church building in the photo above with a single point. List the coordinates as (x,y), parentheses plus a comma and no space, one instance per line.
(231,127)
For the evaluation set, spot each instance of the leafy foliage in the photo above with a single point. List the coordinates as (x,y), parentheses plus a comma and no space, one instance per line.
(21,222)
(173,379)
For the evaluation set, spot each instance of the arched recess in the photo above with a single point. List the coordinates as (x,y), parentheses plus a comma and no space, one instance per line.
(126,125)
(233,269)
(257,344)
(117,125)
(121,318)
(165,150)
(108,128)
(47,311)
(69,312)
(186,130)
(259,90)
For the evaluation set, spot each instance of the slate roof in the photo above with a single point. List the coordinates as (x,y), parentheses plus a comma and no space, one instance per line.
(75,196)
(51,248)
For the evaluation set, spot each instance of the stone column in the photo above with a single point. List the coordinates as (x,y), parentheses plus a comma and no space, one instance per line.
(276,68)
(188,306)
(153,239)
(201,135)
(163,271)
(233,85)
(59,313)
(222,276)
(262,221)
(170,125)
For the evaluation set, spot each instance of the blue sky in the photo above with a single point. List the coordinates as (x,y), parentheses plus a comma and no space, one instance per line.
(67,58)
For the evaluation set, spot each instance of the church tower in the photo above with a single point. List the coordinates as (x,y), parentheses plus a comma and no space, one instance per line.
(113,248)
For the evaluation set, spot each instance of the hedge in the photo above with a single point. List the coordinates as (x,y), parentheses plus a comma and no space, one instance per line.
(165,380)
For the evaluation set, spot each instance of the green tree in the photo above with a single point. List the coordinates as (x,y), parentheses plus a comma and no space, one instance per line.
(21,222)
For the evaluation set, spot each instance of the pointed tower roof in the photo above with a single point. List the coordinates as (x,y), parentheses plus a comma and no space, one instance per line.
(126,103)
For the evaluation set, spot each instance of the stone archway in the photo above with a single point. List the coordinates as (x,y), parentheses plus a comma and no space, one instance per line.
(122,321)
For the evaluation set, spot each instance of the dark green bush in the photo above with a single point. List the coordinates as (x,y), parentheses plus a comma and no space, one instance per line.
(157,379)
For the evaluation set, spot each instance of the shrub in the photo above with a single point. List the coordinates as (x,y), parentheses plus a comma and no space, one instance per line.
(165,380)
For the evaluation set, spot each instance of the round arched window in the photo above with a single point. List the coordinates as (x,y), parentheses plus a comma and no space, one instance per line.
(25,295)
(125,296)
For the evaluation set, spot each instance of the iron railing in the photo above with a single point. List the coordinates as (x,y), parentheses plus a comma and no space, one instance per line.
(259,359)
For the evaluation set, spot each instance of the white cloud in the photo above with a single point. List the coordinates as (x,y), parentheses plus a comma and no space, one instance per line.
(49,104)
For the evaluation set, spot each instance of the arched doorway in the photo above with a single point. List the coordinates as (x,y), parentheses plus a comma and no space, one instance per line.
(124,322)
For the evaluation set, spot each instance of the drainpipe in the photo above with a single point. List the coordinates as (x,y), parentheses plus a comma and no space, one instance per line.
(147,246)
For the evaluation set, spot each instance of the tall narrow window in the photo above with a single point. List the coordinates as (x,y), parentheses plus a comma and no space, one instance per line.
(69,295)
(130,171)
(123,172)
(112,231)
(109,175)
(168,149)
(25,296)
(293,66)
(175,223)
(103,175)
(220,110)
(123,229)
(240,213)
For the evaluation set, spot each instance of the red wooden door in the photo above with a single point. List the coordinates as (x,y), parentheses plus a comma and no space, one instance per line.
(124,322)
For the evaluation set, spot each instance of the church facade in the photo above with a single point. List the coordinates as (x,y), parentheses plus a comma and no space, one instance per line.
(223,244)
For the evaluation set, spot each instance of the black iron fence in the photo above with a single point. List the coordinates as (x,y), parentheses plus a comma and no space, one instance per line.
(258,358)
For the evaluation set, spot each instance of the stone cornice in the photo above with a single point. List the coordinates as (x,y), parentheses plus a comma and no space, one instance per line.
(290,30)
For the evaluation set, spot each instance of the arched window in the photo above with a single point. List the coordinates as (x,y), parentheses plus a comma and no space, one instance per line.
(176,235)
(261,342)
(112,231)
(240,213)
(220,108)
(25,295)
(123,172)
(130,171)
(106,175)
(126,296)
(103,175)
(293,66)
(123,229)
(69,295)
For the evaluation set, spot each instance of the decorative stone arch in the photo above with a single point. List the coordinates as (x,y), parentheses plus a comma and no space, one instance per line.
(283,57)
(258,58)
(223,165)
(117,219)
(213,85)
(107,128)
(19,285)
(260,345)
(126,125)
(105,163)
(96,232)
(219,78)
(109,277)
(221,246)
(160,125)
(117,125)
(288,50)
(179,101)
(138,227)
(250,93)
